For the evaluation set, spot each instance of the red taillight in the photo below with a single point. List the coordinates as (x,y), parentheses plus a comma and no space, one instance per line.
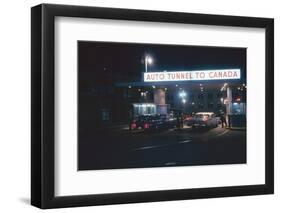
(133,126)
(146,126)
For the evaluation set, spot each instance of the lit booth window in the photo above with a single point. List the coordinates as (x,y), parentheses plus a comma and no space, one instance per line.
(144,109)
(239,108)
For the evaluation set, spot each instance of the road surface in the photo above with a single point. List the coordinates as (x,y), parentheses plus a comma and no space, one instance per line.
(117,147)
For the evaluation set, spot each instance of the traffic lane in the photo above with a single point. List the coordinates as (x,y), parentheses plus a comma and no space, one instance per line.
(228,147)
(173,136)
(107,149)
(122,137)
(165,148)
(106,145)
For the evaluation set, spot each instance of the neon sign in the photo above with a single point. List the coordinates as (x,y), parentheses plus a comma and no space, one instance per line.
(198,75)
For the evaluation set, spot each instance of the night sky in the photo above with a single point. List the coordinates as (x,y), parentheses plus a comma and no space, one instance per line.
(125,61)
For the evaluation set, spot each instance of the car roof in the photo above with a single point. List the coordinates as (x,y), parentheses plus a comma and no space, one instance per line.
(198,113)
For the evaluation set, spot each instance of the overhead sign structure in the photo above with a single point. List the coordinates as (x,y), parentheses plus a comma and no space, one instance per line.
(198,75)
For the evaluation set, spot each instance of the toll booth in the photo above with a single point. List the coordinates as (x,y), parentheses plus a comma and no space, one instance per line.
(235,108)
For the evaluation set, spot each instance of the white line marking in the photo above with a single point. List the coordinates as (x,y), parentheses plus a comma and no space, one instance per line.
(186,141)
(224,132)
(149,147)
(145,147)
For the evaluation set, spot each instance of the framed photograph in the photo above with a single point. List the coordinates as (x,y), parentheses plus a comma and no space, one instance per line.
(140,106)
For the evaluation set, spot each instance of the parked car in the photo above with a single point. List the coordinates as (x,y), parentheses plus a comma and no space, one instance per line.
(188,120)
(218,117)
(159,122)
(153,122)
(139,121)
(205,119)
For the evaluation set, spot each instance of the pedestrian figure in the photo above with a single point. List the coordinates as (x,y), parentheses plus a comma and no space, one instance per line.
(223,120)
(178,121)
(181,121)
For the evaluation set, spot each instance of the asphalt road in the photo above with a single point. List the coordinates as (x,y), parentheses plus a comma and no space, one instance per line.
(116,148)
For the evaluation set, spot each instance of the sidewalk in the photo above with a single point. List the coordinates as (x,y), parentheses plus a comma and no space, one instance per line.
(236,128)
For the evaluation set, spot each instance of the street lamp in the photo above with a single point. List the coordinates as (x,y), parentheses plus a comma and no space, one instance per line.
(147,60)
(182,94)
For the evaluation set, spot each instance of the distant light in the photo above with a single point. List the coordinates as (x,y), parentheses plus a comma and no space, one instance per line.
(129,87)
(149,60)
(235,103)
(192,103)
(243,85)
(221,99)
(183,101)
(153,86)
(176,85)
(139,90)
(182,94)
(166,89)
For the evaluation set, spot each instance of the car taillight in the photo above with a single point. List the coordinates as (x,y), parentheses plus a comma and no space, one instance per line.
(146,126)
(133,126)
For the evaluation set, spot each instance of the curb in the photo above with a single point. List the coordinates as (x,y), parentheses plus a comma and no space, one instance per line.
(237,128)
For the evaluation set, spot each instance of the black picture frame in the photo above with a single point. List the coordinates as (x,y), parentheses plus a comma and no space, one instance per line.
(43,113)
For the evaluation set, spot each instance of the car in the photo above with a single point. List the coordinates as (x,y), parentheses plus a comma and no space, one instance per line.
(138,122)
(205,119)
(218,117)
(159,122)
(188,120)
